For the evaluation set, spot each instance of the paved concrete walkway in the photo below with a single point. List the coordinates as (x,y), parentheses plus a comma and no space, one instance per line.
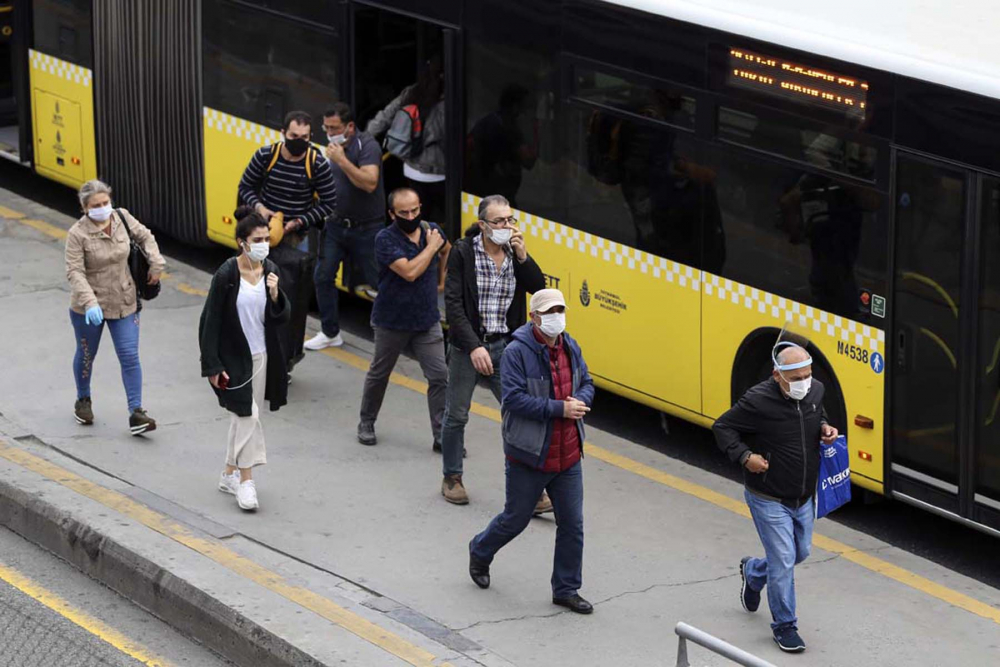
(663,539)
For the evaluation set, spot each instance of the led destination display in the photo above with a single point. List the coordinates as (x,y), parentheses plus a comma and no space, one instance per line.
(796,82)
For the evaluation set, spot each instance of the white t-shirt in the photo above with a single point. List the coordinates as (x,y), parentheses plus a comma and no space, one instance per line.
(250,304)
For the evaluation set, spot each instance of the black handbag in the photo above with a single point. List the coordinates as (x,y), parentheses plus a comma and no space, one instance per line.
(138,265)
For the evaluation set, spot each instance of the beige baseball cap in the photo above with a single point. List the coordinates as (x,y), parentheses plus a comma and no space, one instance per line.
(544,299)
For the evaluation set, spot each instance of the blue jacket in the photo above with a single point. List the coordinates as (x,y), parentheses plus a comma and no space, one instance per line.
(528,403)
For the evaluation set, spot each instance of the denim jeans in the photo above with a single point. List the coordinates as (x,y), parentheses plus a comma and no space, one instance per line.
(125,336)
(428,348)
(338,242)
(787,538)
(462,380)
(524,486)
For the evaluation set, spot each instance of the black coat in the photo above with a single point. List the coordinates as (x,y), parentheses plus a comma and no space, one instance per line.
(461,295)
(784,431)
(225,348)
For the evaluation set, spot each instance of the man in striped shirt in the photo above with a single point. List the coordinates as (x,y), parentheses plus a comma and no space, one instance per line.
(289,184)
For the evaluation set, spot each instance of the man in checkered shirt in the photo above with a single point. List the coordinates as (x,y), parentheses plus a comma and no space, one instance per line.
(489,275)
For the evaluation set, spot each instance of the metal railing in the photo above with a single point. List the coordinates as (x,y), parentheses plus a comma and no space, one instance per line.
(686,632)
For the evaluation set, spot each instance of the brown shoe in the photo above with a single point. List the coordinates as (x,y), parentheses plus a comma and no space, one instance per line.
(543,506)
(453,490)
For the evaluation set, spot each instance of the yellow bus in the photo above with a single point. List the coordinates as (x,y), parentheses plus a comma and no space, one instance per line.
(693,179)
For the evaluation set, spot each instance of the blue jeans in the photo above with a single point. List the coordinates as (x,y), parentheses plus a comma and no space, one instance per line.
(337,243)
(787,537)
(462,380)
(125,336)
(524,486)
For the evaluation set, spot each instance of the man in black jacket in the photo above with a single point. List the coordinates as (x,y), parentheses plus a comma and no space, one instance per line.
(778,423)
(489,274)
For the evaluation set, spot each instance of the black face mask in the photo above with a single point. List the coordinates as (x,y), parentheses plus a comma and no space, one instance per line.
(408,226)
(297,146)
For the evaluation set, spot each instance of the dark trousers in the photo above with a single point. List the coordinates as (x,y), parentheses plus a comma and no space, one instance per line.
(432,200)
(524,486)
(337,243)
(428,347)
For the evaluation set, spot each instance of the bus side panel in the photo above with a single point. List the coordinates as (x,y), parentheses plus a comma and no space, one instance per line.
(62,105)
(230,142)
(635,315)
(856,353)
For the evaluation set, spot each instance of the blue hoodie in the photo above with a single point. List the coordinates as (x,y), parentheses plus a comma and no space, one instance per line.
(528,403)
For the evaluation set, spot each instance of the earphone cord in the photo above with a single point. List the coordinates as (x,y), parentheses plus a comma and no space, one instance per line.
(248,381)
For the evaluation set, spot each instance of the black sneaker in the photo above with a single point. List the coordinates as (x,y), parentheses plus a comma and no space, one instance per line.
(788,640)
(140,422)
(366,433)
(436,446)
(749,598)
(478,570)
(83,411)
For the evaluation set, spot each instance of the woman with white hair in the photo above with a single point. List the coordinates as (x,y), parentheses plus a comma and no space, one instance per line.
(102,290)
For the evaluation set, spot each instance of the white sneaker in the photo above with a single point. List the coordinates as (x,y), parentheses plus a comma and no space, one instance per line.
(321,340)
(229,483)
(246,495)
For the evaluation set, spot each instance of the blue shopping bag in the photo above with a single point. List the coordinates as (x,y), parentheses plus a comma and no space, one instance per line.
(834,486)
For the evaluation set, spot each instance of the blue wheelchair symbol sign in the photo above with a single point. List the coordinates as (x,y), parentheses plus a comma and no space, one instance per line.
(877,362)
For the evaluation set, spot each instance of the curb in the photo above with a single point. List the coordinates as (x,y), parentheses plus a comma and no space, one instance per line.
(179,603)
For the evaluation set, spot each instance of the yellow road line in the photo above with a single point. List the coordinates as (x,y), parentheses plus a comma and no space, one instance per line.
(725,502)
(10,213)
(81,618)
(46,228)
(218,552)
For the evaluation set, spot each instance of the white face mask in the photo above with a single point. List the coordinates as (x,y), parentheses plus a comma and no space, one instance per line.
(337,139)
(552,324)
(798,389)
(501,236)
(258,251)
(100,213)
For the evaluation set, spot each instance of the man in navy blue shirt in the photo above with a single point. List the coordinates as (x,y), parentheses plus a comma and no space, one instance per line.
(411,255)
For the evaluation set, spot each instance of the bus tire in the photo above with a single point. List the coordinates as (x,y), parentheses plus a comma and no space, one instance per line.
(753,364)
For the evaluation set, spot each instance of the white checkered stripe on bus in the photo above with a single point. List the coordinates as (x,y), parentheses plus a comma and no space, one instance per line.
(60,68)
(243,129)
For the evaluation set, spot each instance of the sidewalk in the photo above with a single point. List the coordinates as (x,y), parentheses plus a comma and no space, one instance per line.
(354,557)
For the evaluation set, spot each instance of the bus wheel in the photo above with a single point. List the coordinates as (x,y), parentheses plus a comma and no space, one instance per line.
(753,364)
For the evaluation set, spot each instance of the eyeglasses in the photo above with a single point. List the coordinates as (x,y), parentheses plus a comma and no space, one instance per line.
(499,222)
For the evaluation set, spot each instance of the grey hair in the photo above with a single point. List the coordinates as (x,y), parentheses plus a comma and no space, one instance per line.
(491,200)
(782,356)
(91,188)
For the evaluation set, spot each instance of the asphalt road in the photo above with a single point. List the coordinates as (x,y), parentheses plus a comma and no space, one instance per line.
(949,544)
(34,635)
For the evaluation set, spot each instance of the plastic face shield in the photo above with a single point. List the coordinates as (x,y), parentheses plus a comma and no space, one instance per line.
(789,338)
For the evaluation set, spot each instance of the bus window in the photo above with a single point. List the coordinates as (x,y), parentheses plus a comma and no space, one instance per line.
(643,185)
(801,235)
(662,103)
(62,29)
(511,140)
(288,65)
(795,139)
(988,368)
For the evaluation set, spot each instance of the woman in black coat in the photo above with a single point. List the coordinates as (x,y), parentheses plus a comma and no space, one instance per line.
(242,351)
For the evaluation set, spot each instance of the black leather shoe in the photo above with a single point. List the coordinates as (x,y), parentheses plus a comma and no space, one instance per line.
(575,603)
(478,570)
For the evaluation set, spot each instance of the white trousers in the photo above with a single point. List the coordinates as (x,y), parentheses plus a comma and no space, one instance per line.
(245,448)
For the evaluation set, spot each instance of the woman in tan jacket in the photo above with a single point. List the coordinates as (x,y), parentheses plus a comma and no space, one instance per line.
(97,249)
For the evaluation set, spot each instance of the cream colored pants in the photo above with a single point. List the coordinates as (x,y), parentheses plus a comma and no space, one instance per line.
(245,448)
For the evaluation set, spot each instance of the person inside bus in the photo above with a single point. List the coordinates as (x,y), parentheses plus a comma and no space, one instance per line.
(102,290)
(356,160)
(242,351)
(498,149)
(425,169)
(412,257)
(779,422)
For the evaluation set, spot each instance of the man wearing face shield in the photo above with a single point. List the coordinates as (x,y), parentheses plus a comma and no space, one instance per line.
(774,432)
(547,390)
(489,275)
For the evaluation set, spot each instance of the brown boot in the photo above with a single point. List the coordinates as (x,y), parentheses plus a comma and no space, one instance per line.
(453,490)
(543,506)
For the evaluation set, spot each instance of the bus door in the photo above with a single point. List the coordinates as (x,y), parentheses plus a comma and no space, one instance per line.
(942,455)
(14,108)
(402,61)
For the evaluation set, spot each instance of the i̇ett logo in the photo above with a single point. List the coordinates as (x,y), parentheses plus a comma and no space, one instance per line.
(585,295)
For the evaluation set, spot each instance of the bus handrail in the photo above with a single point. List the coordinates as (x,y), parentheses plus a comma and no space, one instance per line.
(687,632)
